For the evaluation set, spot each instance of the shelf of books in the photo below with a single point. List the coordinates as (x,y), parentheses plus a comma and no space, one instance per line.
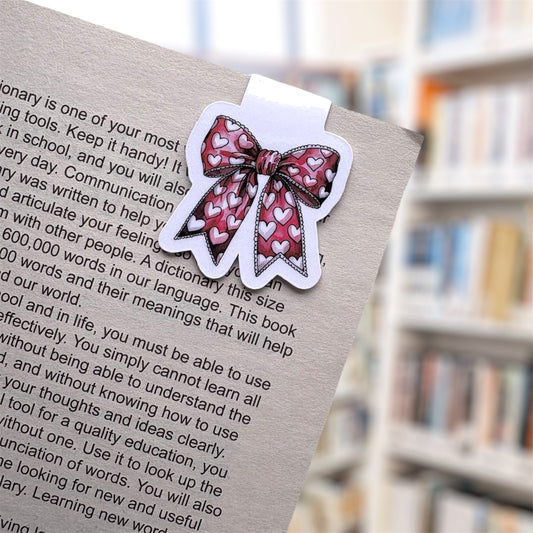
(430,501)
(333,497)
(460,419)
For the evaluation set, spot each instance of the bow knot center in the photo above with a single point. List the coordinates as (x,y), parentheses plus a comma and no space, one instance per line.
(267,162)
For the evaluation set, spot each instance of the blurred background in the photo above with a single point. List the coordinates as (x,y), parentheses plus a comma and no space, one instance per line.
(432,426)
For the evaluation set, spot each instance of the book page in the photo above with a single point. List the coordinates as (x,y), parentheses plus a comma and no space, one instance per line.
(135,393)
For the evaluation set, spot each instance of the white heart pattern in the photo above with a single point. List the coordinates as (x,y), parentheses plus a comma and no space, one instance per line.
(293,170)
(193,224)
(298,153)
(309,181)
(266,230)
(295,233)
(217,141)
(214,160)
(262,260)
(282,215)
(219,189)
(314,162)
(244,142)
(326,153)
(252,189)
(218,237)
(232,222)
(238,176)
(280,247)
(211,210)
(234,200)
(268,199)
(330,175)
(232,126)
(322,193)
(236,160)
(296,262)
(289,198)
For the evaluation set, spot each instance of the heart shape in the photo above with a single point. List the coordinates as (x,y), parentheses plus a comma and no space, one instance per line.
(214,160)
(234,200)
(298,153)
(295,233)
(289,197)
(296,262)
(268,199)
(330,175)
(282,215)
(326,153)
(232,126)
(211,210)
(262,261)
(278,185)
(236,160)
(252,189)
(266,230)
(322,193)
(217,141)
(194,224)
(232,223)
(238,176)
(280,247)
(244,142)
(293,170)
(219,189)
(314,162)
(218,237)
(309,181)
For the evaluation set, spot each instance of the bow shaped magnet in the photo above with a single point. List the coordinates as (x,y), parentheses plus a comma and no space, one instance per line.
(260,204)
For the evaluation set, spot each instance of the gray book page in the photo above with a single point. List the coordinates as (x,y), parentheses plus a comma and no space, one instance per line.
(135,394)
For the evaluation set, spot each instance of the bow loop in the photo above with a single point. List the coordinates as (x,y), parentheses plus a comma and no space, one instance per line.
(228,146)
(311,171)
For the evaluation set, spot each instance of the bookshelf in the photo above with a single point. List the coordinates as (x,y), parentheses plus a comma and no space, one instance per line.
(435,454)
(478,64)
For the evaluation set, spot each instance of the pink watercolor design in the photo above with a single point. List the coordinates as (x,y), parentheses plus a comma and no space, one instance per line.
(303,175)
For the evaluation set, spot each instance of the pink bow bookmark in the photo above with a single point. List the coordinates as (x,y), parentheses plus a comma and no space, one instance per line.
(260,204)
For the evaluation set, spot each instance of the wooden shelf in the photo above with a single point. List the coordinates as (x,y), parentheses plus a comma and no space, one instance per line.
(466,56)
(334,463)
(347,394)
(483,329)
(471,194)
(423,448)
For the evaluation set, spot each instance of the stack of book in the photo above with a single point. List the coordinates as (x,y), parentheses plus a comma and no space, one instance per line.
(477,404)
(458,512)
(479,267)
(329,507)
(479,137)
(345,429)
(380,90)
(427,502)
(487,21)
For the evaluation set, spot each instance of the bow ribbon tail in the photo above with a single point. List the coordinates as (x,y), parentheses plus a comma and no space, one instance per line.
(220,212)
(278,228)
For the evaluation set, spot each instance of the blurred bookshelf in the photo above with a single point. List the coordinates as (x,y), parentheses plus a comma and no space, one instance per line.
(448,446)
(459,440)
